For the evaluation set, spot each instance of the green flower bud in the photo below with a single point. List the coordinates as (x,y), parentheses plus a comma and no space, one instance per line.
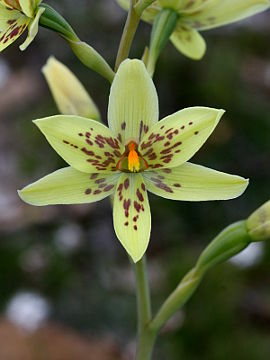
(258,224)
(232,240)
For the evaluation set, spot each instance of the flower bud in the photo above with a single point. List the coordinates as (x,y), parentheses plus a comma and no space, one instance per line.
(92,59)
(68,92)
(232,240)
(258,224)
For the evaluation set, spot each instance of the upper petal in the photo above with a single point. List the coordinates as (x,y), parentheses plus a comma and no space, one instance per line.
(188,41)
(84,144)
(131,215)
(175,139)
(9,35)
(69,186)
(133,102)
(68,92)
(216,13)
(190,182)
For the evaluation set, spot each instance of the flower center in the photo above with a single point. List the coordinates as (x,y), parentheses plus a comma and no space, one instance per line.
(131,160)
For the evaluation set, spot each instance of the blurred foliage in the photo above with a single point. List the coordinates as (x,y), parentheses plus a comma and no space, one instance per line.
(90,286)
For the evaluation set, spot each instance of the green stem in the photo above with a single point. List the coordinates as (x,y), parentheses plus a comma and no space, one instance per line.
(130,29)
(146,337)
(142,5)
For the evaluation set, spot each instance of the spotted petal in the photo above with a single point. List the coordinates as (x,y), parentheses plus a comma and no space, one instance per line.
(85,144)
(188,41)
(131,215)
(217,13)
(12,33)
(133,103)
(7,17)
(190,182)
(68,92)
(175,139)
(69,186)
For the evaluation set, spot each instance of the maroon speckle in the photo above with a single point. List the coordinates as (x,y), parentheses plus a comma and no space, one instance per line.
(126,223)
(182,127)
(137,206)
(196,133)
(88,191)
(135,227)
(177,185)
(139,195)
(190,123)
(66,142)
(109,187)
(99,181)
(96,192)
(143,187)
(126,183)
(123,126)
(80,134)
(93,176)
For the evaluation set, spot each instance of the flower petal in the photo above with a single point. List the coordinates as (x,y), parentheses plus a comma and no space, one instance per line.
(188,41)
(28,7)
(68,92)
(33,30)
(7,17)
(85,144)
(69,186)
(175,139)
(190,182)
(217,13)
(131,215)
(12,33)
(133,103)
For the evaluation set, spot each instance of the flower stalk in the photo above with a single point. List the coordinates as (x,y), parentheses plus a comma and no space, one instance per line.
(129,32)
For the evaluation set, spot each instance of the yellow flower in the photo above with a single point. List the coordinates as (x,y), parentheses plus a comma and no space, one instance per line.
(135,154)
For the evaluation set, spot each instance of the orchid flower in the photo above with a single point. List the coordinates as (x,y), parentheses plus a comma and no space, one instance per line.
(15,17)
(198,15)
(68,92)
(135,154)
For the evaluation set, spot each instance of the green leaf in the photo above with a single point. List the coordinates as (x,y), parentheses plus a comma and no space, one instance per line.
(133,103)
(131,215)
(85,144)
(190,182)
(175,139)
(69,94)
(188,41)
(69,186)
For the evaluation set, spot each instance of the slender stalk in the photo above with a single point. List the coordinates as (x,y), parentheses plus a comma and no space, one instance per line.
(146,337)
(130,29)
(142,5)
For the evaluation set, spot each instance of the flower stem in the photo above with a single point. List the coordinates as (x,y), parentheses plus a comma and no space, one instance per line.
(130,28)
(146,337)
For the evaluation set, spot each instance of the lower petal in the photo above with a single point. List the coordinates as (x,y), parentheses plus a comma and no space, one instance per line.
(189,42)
(190,182)
(131,215)
(69,186)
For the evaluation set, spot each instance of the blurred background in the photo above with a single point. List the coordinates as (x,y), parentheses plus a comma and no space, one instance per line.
(66,285)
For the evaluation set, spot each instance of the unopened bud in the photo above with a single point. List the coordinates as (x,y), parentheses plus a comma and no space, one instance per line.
(68,92)
(232,240)
(258,224)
